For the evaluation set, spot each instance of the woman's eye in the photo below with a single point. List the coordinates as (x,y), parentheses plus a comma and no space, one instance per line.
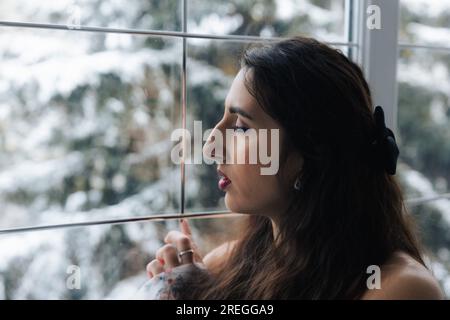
(235,128)
(239,126)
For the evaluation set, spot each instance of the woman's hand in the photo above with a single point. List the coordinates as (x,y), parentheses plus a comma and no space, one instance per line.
(177,267)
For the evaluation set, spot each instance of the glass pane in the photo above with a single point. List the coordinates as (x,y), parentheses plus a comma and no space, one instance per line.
(211,68)
(425,22)
(324,19)
(424,128)
(98,262)
(150,14)
(85,125)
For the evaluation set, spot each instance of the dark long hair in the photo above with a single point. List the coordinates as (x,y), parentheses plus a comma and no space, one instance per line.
(349,213)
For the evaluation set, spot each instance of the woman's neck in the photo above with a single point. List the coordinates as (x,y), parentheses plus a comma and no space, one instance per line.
(275,230)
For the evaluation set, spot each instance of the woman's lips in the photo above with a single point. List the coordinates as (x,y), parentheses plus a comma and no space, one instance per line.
(224,180)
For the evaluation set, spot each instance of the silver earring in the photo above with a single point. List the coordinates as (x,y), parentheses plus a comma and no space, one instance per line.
(297,184)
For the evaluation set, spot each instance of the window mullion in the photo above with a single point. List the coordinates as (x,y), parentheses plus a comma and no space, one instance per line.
(378,54)
(183,108)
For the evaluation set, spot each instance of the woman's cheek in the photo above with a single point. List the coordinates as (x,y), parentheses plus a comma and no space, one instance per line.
(242,196)
(249,188)
(245,150)
(250,191)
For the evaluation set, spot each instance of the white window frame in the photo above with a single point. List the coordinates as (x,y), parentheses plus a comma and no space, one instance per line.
(378,54)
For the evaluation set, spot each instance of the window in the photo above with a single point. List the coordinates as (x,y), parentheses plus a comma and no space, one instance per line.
(424,122)
(91,90)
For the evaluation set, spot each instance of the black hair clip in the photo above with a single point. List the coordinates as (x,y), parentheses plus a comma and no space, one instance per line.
(384,145)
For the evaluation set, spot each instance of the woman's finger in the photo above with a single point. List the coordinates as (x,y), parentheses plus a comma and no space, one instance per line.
(183,242)
(153,268)
(186,256)
(185,228)
(177,238)
(184,245)
(169,254)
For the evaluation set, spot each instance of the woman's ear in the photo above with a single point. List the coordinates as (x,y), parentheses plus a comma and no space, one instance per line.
(292,167)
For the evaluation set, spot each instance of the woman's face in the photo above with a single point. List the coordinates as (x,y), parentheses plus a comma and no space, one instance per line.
(247,189)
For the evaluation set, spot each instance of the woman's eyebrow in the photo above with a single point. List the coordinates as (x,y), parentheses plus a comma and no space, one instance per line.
(234,109)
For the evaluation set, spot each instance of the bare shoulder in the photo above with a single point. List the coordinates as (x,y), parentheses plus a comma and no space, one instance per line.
(404,278)
(218,255)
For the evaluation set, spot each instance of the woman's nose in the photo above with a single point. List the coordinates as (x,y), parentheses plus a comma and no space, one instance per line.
(214,147)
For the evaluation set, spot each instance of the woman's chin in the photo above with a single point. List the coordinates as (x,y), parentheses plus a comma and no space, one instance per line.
(230,203)
(233,206)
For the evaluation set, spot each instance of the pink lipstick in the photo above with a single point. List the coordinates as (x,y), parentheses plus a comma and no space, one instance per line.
(224,180)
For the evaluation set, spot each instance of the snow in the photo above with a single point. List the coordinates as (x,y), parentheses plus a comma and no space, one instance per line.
(438,112)
(320,18)
(215,24)
(127,289)
(288,9)
(39,177)
(76,201)
(432,8)
(42,64)
(48,250)
(39,135)
(428,35)
(205,74)
(112,13)
(424,187)
(436,79)
(64,74)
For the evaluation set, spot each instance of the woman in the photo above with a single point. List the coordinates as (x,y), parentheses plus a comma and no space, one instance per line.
(333,213)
